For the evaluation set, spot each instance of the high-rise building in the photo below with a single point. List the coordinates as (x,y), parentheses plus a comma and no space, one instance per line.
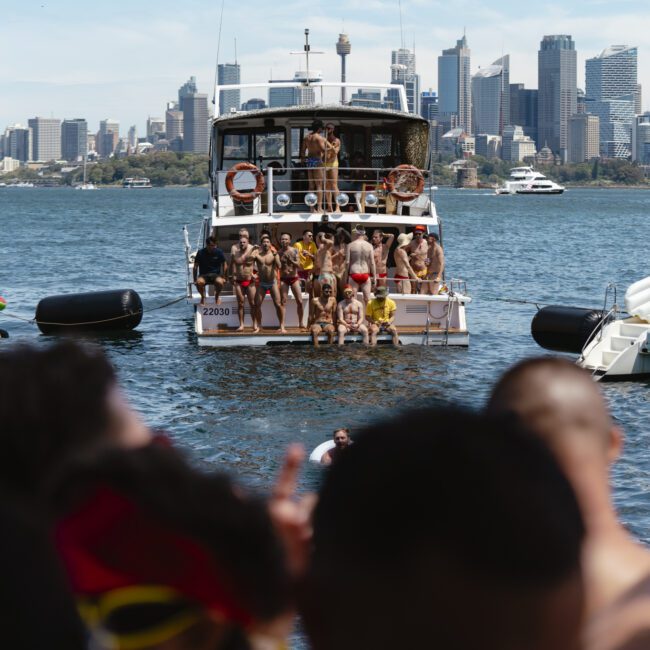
(402,71)
(429,105)
(229,100)
(488,146)
(196,133)
(611,93)
(279,97)
(641,139)
(107,137)
(253,104)
(343,48)
(155,128)
(46,139)
(583,137)
(367,98)
(491,97)
(18,143)
(557,97)
(516,145)
(454,85)
(74,139)
(523,109)
(132,139)
(173,124)
(188,89)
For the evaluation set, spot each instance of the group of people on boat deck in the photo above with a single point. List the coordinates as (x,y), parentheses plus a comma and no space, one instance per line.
(332,269)
(439,527)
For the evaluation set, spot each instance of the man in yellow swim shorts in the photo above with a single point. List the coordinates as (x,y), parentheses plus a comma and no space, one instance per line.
(333,147)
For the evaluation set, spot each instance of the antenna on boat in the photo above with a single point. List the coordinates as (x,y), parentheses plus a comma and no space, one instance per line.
(216,65)
(306,50)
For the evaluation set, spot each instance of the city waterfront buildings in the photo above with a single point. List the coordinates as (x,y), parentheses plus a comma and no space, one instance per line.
(583,137)
(196,133)
(18,143)
(229,100)
(174,128)
(253,104)
(402,71)
(641,139)
(74,139)
(107,137)
(488,146)
(429,105)
(516,145)
(491,97)
(523,109)
(46,139)
(612,93)
(188,89)
(454,86)
(343,48)
(557,90)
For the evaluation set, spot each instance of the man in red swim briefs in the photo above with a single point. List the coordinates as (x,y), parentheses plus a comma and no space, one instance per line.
(360,262)
(241,266)
(289,279)
(381,249)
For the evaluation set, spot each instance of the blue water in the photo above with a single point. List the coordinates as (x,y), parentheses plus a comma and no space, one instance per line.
(237,409)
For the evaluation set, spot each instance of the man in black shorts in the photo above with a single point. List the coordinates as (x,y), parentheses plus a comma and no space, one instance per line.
(210,266)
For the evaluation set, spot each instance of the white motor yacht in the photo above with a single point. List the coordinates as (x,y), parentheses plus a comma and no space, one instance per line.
(525,180)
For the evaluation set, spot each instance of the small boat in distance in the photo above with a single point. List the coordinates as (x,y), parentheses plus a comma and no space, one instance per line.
(525,180)
(137,183)
(86,185)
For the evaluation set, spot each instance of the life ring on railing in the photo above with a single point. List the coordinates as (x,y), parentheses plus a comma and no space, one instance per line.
(398,175)
(246,197)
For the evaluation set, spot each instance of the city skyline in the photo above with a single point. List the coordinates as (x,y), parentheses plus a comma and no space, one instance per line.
(127,65)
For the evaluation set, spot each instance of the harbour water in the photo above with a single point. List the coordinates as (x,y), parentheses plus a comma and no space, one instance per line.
(237,409)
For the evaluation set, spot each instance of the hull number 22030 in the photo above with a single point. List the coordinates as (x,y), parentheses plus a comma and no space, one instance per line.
(216,311)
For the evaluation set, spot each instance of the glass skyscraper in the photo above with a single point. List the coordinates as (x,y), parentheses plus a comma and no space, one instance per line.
(491,97)
(229,73)
(454,85)
(402,71)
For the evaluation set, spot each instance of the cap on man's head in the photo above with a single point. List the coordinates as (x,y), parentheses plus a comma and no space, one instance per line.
(348,287)
(381,292)
(420,228)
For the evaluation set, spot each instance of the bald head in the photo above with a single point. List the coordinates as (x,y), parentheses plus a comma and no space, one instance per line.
(557,400)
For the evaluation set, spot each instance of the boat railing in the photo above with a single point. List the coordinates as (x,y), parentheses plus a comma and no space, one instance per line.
(291,189)
(611,293)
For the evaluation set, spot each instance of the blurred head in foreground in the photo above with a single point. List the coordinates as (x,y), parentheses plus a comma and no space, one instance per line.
(162,556)
(56,401)
(443,528)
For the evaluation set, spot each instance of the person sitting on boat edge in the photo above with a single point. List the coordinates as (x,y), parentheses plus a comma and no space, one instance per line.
(381,250)
(268,263)
(380,313)
(342,442)
(350,316)
(241,274)
(324,315)
(289,278)
(360,263)
(435,264)
(418,253)
(403,269)
(210,266)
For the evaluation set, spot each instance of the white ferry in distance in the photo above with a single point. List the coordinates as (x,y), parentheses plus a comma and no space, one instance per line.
(136,183)
(383,184)
(525,180)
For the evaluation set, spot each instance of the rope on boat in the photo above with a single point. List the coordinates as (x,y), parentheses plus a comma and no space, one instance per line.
(33,321)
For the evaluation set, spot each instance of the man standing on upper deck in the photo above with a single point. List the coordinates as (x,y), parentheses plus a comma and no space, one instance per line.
(360,263)
(381,249)
(209,268)
(418,252)
(241,266)
(289,278)
(435,263)
(315,145)
(268,264)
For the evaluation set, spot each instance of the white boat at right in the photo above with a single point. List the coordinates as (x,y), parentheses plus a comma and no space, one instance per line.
(525,180)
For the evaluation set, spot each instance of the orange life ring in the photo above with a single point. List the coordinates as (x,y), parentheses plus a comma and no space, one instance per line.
(259,182)
(404,170)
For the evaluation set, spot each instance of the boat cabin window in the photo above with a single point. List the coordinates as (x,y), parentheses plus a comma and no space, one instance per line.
(259,146)
(384,148)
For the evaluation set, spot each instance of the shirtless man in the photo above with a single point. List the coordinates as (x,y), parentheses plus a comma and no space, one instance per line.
(403,269)
(350,316)
(332,168)
(324,312)
(360,263)
(314,145)
(562,405)
(241,267)
(325,243)
(341,443)
(435,264)
(289,279)
(381,249)
(341,239)
(268,264)
(418,253)
(235,247)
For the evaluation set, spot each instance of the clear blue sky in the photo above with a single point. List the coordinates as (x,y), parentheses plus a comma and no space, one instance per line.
(124,60)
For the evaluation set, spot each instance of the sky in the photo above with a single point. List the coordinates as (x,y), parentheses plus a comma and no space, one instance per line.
(125,59)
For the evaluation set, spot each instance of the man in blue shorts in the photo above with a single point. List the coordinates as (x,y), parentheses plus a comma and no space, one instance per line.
(209,268)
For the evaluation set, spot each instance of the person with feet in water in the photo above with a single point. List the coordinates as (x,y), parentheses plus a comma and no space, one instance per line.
(350,316)
(403,268)
(268,263)
(324,314)
(312,156)
(241,268)
(289,278)
(380,313)
(341,443)
(381,244)
(209,268)
(360,263)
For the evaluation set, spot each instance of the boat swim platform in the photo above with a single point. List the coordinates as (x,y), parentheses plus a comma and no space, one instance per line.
(408,335)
